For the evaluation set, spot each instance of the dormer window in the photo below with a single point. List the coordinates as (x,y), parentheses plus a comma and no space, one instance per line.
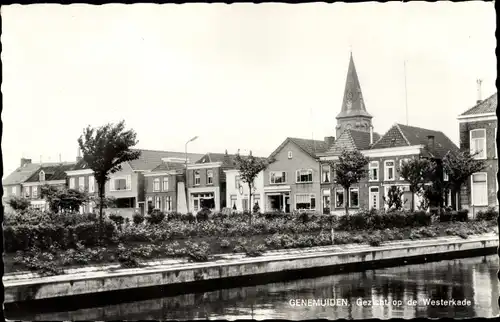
(41,176)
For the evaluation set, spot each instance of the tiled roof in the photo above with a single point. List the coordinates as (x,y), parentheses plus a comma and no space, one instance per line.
(488,105)
(404,135)
(21,174)
(52,172)
(150,159)
(351,140)
(312,147)
(169,166)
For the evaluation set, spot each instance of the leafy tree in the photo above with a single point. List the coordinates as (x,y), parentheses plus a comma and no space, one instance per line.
(416,173)
(460,166)
(104,149)
(349,170)
(107,202)
(249,167)
(394,199)
(62,199)
(18,203)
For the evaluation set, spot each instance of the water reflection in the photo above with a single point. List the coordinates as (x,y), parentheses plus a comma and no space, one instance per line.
(473,279)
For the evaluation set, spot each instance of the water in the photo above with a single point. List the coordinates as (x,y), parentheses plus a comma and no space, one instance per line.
(473,279)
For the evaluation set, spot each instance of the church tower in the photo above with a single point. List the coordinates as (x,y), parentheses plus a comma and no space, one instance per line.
(353,114)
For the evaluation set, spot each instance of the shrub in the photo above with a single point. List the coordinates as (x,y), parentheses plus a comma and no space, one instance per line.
(126,257)
(171,216)
(197,252)
(155,217)
(189,217)
(36,260)
(225,243)
(203,214)
(117,219)
(487,215)
(18,203)
(254,251)
(138,218)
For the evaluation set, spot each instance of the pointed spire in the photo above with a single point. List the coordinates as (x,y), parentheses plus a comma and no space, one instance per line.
(352,104)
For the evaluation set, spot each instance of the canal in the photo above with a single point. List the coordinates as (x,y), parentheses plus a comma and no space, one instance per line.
(397,292)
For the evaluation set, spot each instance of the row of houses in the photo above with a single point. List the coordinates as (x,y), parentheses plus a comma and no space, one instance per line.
(301,176)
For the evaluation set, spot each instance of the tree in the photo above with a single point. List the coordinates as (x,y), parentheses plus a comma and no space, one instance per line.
(249,167)
(18,203)
(62,199)
(104,150)
(349,170)
(394,199)
(416,173)
(459,166)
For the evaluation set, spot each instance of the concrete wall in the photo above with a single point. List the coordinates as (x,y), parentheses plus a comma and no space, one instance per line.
(19,289)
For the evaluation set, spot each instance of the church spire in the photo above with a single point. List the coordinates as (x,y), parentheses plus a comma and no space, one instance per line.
(352,104)
(353,114)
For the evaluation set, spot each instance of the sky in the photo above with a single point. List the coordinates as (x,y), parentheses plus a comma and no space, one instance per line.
(240,76)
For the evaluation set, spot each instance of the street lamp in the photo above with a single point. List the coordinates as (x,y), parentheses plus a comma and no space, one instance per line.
(186,173)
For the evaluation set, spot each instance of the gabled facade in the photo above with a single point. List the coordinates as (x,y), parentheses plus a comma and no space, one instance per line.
(12,184)
(206,182)
(478,130)
(162,185)
(52,175)
(237,193)
(292,180)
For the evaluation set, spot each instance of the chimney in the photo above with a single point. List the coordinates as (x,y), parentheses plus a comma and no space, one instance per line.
(479,95)
(371,134)
(329,140)
(431,144)
(24,162)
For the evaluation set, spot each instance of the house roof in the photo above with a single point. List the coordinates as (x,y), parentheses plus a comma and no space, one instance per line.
(488,105)
(352,103)
(228,160)
(150,159)
(169,166)
(351,140)
(312,147)
(52,172)
(21,174)
(405,135)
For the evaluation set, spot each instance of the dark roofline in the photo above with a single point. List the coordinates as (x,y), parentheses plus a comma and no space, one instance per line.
(477,104)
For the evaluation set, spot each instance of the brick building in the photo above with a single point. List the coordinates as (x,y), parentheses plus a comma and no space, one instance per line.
(478,130)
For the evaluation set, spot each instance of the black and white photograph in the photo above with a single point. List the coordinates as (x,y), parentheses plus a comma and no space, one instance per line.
(250,161)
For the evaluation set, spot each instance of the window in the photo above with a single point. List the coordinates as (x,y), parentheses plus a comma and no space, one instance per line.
(157,202)
(34,192)
(27,192)
(81,183)
(478,143)
(304,176)
(168,203)
(41,176)
(165,183)
(196,177)
(325,173)
(326,201)
(210,176)
(91,184)
(150,204)
(244,203)
(72,183)
(479,189)
(353,197)
(233,199)
(277,177)
(339,197)
(389,170)
(156,184)
(373,168)
(119,184)
(289,154)
(401,161)
(445,176)
(237,182)
(14,190)
(305,201)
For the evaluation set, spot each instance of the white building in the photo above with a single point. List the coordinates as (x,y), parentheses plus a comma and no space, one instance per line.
(237,191)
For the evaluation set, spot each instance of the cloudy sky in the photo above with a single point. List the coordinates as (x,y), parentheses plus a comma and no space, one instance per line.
(239,76)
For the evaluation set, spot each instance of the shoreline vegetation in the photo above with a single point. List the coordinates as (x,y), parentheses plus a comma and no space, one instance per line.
(47,243)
